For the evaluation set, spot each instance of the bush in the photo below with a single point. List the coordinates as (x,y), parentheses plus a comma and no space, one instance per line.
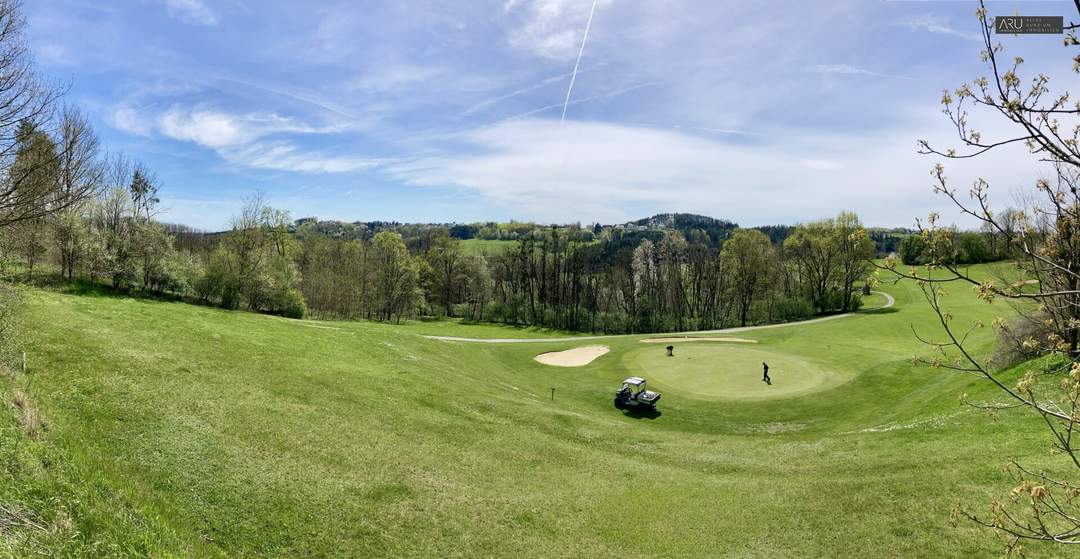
(291,304)
(831,300)
(790,309)
(173,274)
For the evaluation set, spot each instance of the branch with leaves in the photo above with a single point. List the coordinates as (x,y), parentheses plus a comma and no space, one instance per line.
(1045,288)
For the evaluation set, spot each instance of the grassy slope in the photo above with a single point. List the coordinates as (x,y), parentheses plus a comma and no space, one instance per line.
(245,435)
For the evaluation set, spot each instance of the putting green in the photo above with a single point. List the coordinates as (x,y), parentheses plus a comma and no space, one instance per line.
(730,372)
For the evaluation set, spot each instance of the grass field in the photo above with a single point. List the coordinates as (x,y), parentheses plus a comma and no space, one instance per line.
(485,247)
(191,431)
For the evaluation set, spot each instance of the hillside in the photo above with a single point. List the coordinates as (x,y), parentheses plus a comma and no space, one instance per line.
(362,439)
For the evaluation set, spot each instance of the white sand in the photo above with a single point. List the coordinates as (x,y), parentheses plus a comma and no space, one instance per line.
(696,339)
(577,357)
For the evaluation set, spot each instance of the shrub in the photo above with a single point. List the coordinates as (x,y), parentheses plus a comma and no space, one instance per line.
(790,309)
(291,304)
(831,300)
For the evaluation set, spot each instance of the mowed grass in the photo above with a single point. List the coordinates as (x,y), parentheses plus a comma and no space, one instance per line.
(235,434)
(729,372)
(487,247)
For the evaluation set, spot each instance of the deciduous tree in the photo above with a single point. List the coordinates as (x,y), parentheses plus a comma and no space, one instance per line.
(744,258)
(1043,503)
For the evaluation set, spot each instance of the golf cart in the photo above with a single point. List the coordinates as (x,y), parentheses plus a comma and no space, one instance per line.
(634,395)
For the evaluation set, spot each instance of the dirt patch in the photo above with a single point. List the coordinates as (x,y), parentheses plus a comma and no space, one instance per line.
(577,357)
(696,339)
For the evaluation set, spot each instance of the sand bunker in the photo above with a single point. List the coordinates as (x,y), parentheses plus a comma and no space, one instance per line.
(577,357)
(696,339)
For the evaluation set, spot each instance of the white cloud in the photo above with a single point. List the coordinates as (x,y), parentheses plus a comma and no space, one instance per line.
(285,156)
(217,129)
(821,164)
(191,11)
(393,78)
(258,140)
(54,54)
(131,120)
(935,24)
(841,69)
(294,93)
(205,127)
(607,171)
(531,163)
(847,69)
(549,28)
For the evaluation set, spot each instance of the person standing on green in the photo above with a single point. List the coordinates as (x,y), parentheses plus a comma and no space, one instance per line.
(766,377)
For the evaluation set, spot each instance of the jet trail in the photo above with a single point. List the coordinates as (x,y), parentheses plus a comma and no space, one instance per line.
(573,74)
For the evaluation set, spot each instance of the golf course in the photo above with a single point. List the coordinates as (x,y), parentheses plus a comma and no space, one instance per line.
(717,372)
(539,279)
(179,430)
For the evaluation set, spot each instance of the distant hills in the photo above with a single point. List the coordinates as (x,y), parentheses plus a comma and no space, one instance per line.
(688,224)
(630,232)
(684,222)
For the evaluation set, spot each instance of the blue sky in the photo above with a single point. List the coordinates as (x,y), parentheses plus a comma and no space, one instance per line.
(772,112)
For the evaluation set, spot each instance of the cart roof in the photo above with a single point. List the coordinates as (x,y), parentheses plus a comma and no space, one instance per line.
(636,381)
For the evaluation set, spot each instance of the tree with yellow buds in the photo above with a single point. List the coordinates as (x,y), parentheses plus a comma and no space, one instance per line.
(1045,237)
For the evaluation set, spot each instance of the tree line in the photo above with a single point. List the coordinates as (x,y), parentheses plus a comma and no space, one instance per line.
(96,218)
(552,277)
(966,247)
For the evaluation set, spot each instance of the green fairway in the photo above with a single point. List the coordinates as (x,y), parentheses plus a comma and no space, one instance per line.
(179,430)
(487,247)
(728,372)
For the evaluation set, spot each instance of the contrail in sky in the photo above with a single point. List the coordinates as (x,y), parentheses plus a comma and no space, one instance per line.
(607,95)
(573,74)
